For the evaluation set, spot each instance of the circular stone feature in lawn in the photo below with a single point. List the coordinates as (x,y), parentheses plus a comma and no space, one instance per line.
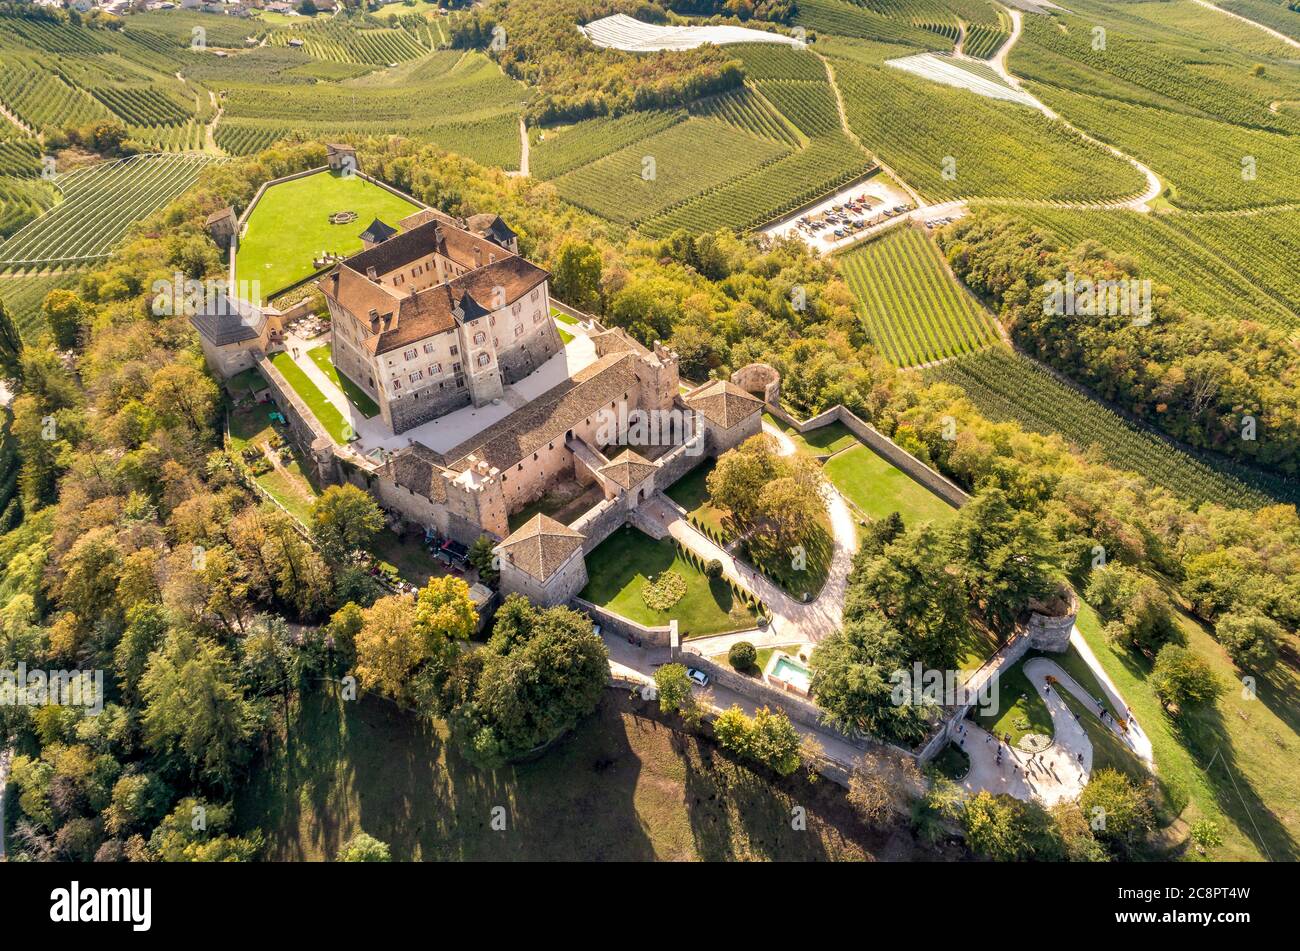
(343,217)
(1034,742)
(663,592)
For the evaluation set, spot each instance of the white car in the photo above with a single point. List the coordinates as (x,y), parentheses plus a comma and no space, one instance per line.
(700,677)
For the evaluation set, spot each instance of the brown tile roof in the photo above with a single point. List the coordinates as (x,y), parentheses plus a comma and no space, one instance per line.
(508,441)
(617,340)
(437,309)
(540,546)
(418,468)
(424,216)
(628,470)
(723,402)
(219,215)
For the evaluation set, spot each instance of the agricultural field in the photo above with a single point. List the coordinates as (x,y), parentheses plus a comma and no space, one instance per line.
(1239,265)
(948,143)
(914,310)
(23,292)
(99,204)
(1007,386)
(657,173)
(1170,93)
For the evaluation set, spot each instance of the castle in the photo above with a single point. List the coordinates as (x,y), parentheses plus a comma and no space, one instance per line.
(437,321)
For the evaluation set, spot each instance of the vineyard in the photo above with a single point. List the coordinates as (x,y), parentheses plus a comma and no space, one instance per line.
(763,195)
(1007,386)
(666,169)
(1240,265)
(995,149)
(23,291)
(914,310)
(750,110)
(99,204)
(562,150)
(343,42)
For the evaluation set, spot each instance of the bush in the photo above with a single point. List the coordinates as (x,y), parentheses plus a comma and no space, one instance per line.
(714,569)
(742,656)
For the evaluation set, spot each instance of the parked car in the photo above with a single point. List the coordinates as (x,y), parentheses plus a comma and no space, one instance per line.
(700,677)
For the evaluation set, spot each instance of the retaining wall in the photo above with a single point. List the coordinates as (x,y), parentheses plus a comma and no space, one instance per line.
(881,445)
(635,633)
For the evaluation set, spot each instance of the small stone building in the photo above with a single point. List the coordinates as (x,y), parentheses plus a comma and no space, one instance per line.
(222,226)
(340,158)
(543,561)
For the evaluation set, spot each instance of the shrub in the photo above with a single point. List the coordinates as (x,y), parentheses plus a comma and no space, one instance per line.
(714,569)
(742,656)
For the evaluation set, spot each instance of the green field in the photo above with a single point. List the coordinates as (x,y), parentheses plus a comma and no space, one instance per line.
(914,309)
(323,357)
(878,489)
(621,564)
(288,483)
(290,226)
(822,441)
(325,411)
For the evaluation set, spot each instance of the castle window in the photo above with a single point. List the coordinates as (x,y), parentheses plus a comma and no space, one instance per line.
(428,348)
(455,350)
(397,384)
(417,376)
(455,368)
(409,354)
(519,330)
(435,368)
(514,308)
(537,317)
(460,381)
(533,296)
(480,337)
(484,359)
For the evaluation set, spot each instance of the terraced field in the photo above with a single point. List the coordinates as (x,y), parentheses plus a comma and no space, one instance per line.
(915,311)
(99,204)
(1006,386)
(750,110)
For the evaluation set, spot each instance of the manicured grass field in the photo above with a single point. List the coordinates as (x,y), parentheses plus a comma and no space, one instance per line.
(290,226)
(323,357)
(691,492)
(562,317)
(622,787)
(324,410)
(622,563)
(877,488)
(822,441)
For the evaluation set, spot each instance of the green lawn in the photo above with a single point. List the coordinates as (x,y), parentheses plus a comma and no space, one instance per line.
(622,787)
(821,441)
(952,762)
(877,488)
(563,318)
(290,226)
(324,410)
(764,654)
(622,563)
(408,555)
(692,493)
(323,357)
(565,337)
(246,382)
(1019,709)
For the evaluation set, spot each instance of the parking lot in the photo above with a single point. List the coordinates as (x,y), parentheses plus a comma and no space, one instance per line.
(849,211)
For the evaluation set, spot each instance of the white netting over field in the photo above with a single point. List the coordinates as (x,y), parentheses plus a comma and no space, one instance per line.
(621,32)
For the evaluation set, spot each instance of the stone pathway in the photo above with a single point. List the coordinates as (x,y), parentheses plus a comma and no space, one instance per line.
(1058,772)
(792,621)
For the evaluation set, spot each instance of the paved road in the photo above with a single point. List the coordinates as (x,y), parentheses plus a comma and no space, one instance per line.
(4,776)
